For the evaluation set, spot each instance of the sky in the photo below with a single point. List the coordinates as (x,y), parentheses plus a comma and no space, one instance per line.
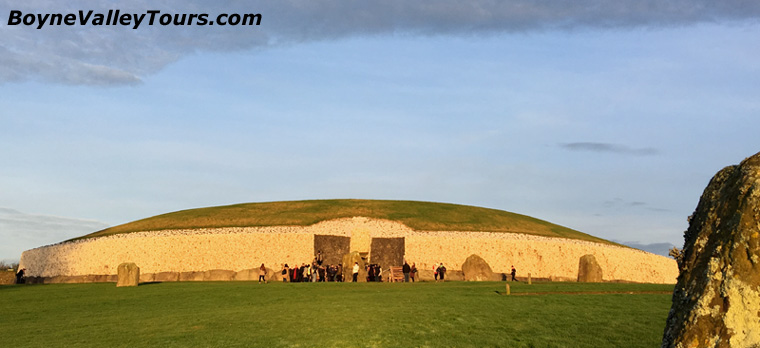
(609,117)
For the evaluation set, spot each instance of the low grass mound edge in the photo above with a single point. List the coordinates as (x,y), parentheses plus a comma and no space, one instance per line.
(420,216)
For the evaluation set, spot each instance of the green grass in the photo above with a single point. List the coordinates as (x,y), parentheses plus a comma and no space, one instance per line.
(420,216)
(247,314)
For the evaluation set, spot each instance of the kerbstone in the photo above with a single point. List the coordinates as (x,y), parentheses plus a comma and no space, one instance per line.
(589,270)
(129,274)
(475,268)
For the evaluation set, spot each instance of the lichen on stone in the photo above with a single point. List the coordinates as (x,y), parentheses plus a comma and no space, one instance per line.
(716,302)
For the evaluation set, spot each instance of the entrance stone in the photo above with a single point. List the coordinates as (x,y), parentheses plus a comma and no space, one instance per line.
(348,267)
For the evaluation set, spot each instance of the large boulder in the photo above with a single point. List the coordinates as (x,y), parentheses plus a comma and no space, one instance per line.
(129,274)
(716,302)
(425,275)
(477,269)
(348,267)
(589,270)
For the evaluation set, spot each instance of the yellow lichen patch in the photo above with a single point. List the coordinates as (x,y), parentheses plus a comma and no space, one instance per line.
(740,318)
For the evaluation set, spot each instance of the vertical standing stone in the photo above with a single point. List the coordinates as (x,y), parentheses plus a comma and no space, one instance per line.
(589,270)
(129,274)
(716,302)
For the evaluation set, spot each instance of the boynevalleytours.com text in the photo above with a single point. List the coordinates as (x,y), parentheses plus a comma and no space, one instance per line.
(133,20)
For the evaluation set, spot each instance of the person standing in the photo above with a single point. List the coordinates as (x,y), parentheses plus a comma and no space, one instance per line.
(321,272)
(320,259)
(300,273)
(262,274)
(20,279)
(435,272)
(406,269)
(514,272)
(413,273)
(285,273)
(355,272)
(441,272)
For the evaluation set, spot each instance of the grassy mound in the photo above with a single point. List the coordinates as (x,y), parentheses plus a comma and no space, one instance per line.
(420,216)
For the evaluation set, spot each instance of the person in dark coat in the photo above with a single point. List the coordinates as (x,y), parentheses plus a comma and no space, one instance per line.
(20,278)
(299,276)
(441,272)
(406,270)
(319,258)
(284,272)
(514,272)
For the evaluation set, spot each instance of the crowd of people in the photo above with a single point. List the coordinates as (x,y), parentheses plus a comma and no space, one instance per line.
(317,271)
(313,272)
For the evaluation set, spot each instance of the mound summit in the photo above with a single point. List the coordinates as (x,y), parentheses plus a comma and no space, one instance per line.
(238,238)
(419,216)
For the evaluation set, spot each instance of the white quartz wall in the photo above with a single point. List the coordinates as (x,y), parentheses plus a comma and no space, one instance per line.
(241,248)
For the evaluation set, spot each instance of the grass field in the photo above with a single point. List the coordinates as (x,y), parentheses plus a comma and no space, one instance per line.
(248,314)
(420,216)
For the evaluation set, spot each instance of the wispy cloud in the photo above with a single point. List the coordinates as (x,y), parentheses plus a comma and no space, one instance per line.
(119,55)
(20,231)
(620,204)
(610,148)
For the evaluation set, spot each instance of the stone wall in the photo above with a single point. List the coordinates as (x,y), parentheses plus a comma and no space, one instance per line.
(241,248)
(7,277)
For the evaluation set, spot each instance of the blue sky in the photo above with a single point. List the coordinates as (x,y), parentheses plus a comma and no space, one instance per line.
(603,117)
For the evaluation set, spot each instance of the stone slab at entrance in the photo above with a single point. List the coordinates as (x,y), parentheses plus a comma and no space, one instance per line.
(387,252)
(333,248)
